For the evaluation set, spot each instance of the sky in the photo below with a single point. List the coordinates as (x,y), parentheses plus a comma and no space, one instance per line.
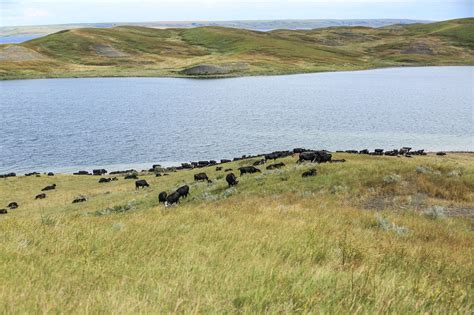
(42,12)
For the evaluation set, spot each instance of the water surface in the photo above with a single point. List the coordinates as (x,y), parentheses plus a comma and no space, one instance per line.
(69,124)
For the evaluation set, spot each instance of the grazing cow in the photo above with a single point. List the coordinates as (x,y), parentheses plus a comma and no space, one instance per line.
(183,191)
(365,151)
(299,150)
(8,175)
(186,165)
(274,166)
(309,173)
(79,199)
(141,183)
(40,196)
(259,162)
(248,169)
(225,161)
(131,176)
(212,162)
(99,172)
(352,151)
(219,168)
(404,150)
(114,178)
(441,153)
(162,196)
(228,170)
(315,156)
(31,174)
(12,205)
(3,211)
(203,163)
(378,152)
(50,187)
(105,180)
(50,174)
(276,155)
(158,175)
(172,198)
(200,176)
(231,179)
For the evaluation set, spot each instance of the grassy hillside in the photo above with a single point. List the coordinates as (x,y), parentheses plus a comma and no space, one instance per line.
(140,51)
(372,235)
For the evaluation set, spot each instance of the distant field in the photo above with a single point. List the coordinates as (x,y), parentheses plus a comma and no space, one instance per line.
(371,235)
(223,52)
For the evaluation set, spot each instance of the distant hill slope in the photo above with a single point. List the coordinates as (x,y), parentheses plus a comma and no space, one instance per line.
(219,51)
(256,25)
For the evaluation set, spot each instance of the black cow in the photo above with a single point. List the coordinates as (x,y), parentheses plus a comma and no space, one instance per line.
(404,150)
(219,168)
(338,161)
(105,180)
(200,176)
(309,173)
(99,172)
(228,170)
(162,196)
(315,156)
(365,151)
(141,183)
(3,211)
(248,169)
(259,162)
(40,196)
(231,179)
(50,174)
(225,161)
(183,191)
(50,187)
(276,165)
(441,153)
(79,199)
(173,198)
(12,205)
(114,178)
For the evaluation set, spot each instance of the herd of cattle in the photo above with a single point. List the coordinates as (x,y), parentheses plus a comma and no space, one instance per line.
(303,155)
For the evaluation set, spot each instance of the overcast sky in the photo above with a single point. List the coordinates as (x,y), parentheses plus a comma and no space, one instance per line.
(38,12)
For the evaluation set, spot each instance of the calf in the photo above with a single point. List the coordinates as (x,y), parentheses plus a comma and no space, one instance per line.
(309,173)
(248,169)
(40,196)
(276,165)
(141,183)
(3,211)
(183,191)
(162,196)
(231,179)
(79,199)
(12,205)
(200,176)
(50,187)
(172,199)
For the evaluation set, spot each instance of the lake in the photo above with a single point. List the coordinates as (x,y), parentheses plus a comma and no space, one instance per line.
(116,123)
(16,39)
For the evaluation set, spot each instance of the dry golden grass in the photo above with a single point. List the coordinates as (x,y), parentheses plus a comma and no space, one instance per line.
(277,243)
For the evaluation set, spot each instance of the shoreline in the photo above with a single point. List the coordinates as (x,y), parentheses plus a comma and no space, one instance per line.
(230,75)
(144,166)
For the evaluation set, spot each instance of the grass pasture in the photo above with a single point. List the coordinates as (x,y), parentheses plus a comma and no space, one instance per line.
(372,235)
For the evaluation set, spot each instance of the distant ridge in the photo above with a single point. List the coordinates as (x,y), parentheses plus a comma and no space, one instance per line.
(257,25)
(213,51)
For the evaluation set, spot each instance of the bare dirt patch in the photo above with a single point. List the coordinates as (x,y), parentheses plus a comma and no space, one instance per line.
(19,53)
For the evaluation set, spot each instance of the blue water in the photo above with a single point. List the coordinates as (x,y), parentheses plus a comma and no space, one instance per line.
(70,124)
(16,39)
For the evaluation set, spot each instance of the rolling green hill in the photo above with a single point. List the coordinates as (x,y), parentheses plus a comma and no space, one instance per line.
(219,51)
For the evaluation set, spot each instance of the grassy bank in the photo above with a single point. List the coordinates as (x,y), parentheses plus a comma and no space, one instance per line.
(374,234)
(224,52)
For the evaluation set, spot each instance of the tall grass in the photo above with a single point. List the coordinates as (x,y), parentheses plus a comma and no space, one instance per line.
(276,243)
